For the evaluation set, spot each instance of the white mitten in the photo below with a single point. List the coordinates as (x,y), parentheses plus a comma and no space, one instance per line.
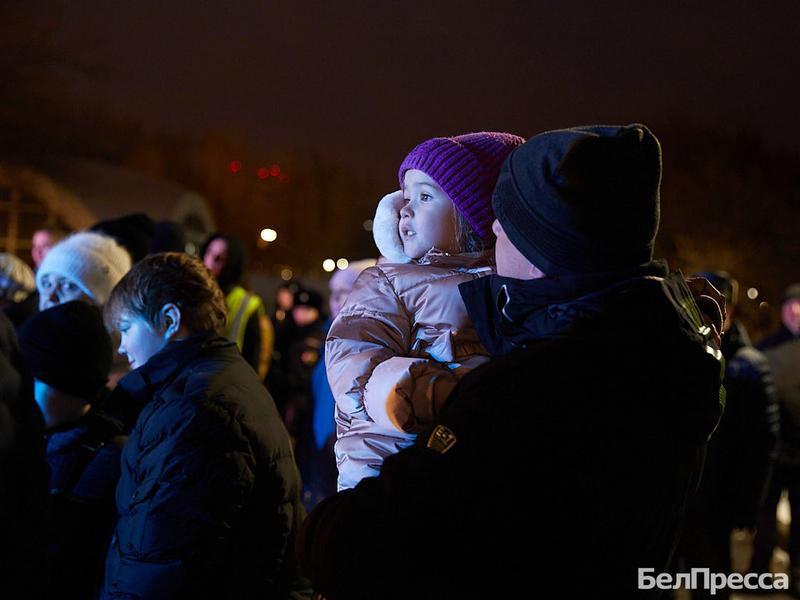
(405,394)
(385,228)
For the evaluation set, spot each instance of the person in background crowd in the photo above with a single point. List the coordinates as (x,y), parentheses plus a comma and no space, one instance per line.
(315,454)
(789,329)
(341,284)
(85,266)
(133,232)
(209,494)
(168,236)
(782,349)
(68,352)
(41,243)
(247,324)
(24,508)
(18,297)
(740,454)
(303,354)
(585,434)
(403,339)
(277,377)
(284,300)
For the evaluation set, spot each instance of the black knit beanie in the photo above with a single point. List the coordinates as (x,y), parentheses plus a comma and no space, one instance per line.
(133,232)
(68,348)
(582,200)
(168,236)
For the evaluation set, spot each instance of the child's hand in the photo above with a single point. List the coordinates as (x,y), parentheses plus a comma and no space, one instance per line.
(405,394)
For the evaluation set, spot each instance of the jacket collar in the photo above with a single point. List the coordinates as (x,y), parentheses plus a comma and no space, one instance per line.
(163,365)
(511,313)
(95,423)
(465,260)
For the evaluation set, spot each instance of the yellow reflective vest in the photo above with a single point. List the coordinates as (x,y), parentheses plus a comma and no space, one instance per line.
(241,306)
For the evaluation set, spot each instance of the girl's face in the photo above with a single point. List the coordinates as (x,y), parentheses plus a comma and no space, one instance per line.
(138,339)
(428,218)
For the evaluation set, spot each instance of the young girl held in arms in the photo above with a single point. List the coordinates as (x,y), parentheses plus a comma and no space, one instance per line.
(403,339)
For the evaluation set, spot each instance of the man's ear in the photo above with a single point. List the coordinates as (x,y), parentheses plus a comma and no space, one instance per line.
(170,320)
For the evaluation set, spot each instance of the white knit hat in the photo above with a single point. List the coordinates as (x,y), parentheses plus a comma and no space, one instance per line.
(94,262)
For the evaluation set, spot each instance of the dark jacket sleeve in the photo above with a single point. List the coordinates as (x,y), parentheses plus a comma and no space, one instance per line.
(179,519)
(396,518)
(330,539)
(372,525)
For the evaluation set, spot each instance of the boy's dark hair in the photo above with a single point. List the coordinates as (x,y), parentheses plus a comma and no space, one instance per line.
(169,277)
(466,237)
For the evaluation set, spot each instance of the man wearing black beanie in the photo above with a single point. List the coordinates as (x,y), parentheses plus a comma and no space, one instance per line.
(584,437)
(68,352)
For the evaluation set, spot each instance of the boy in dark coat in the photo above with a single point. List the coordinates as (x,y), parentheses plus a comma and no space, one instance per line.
(209,495)
(566,462)
(68,352)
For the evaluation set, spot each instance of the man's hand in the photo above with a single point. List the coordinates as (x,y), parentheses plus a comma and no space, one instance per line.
(711,304)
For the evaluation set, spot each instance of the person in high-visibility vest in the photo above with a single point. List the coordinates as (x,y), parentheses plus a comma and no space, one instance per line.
(247,324)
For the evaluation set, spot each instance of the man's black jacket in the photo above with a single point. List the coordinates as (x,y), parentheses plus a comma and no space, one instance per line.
(564,464)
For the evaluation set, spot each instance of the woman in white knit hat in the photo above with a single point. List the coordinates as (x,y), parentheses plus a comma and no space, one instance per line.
(85,266)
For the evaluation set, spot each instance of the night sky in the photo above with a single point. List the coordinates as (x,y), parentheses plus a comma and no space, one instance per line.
(364,81)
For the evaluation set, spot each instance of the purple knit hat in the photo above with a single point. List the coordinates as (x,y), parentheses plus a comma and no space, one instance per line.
(466,168)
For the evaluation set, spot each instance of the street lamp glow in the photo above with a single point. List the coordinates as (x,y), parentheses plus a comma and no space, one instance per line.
(269,235)
(342,264)
(328,265)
